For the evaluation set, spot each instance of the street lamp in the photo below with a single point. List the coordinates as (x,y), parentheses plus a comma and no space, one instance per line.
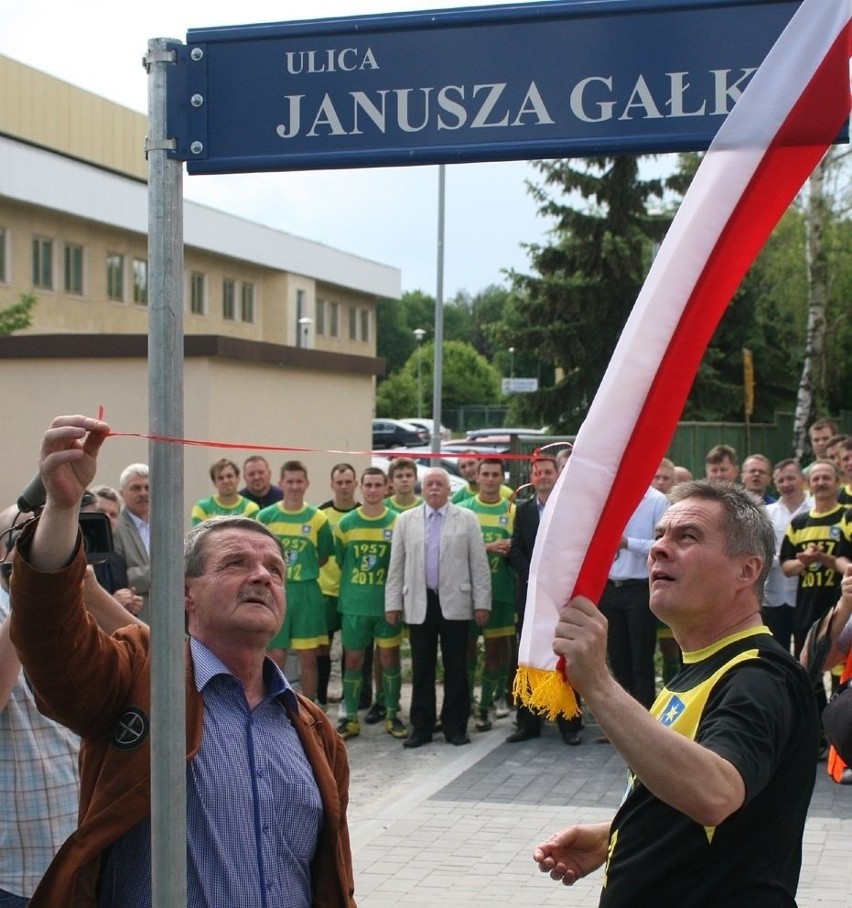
(304,327)
(511,362)
(419,334)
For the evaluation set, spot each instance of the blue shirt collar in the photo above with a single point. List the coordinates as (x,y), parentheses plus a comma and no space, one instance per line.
(208,666)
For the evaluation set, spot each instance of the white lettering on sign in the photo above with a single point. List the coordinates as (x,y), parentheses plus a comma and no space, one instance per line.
(331,60)
(725,92)
(496,105)
(413,110)
(595,99)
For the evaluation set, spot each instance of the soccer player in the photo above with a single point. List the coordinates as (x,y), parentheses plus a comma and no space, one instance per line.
(343,485)
(227,502)
(363,546)
(817,549)
(402,478)
(308,542)
(496,517)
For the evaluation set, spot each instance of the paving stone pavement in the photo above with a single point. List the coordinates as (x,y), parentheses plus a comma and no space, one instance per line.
(455,826)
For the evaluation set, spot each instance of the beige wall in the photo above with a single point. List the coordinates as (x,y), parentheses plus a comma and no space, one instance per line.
(224,401)
(71,120)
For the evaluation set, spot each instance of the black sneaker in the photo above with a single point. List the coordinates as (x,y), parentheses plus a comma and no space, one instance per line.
(377,713)
(395,728)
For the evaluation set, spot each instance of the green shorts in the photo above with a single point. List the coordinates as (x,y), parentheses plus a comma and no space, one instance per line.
(305,621)
(359,631)
(332,616)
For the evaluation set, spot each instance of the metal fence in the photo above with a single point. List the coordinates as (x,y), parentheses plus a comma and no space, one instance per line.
(692,441)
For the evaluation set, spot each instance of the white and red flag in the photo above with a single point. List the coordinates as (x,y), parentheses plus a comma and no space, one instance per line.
(779,130)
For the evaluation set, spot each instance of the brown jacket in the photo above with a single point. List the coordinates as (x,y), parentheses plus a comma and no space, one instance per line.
(87,681)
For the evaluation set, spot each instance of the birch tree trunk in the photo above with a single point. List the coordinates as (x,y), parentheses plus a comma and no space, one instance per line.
(812,380)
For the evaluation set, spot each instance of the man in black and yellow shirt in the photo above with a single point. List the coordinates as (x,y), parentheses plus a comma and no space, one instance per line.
(816,549)
(722,768)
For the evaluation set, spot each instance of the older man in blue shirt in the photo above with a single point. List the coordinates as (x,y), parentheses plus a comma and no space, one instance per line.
(267,775)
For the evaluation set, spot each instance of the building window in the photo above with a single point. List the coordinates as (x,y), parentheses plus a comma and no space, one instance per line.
(247,303)
(353,323)
(320,314)
(140,282)
(334,319)
(4,276)
(42,263)
(74,269)
(197,294)
(365,325)
(229,300)
(115,276)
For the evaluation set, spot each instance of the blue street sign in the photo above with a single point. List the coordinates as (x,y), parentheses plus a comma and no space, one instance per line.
(549,79)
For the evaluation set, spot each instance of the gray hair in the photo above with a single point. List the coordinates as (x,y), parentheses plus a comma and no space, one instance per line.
(106,492)
(747,527)
(134,469)
(195,541)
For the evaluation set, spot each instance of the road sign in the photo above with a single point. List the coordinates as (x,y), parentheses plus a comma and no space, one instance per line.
(548,79)
(519,385)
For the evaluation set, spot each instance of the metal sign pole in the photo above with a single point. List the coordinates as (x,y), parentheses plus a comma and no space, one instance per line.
(438,368)
(165,401)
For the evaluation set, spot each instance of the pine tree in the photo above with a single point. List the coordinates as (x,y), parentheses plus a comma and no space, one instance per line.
(572,309)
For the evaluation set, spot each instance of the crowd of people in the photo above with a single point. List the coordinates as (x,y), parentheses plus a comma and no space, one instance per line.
(343,576)
(379,562)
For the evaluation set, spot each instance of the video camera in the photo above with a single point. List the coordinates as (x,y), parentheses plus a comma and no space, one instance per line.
(95,527)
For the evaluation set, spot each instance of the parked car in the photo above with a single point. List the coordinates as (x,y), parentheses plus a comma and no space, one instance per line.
(457,449)
(480,434)
(394,433)
(427,424)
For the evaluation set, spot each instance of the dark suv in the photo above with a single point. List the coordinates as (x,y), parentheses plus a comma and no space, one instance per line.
(394,433)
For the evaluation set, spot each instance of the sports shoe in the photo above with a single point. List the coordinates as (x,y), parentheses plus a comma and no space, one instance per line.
(349,728)
(395,728)
(501,708)
(376,714)
(481,721)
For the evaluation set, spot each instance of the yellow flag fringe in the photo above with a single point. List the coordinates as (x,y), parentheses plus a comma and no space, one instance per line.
(546,692)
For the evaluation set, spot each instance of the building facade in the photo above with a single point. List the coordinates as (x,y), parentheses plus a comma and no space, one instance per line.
(279,331)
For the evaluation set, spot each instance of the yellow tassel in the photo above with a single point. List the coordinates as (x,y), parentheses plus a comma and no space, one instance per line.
(545,692)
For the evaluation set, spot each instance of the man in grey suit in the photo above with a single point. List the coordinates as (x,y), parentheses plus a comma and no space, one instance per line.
(132,538)
(438,580)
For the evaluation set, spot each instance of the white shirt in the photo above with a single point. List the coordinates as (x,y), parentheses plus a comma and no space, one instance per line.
(781,590)
(144,528)
(632,563)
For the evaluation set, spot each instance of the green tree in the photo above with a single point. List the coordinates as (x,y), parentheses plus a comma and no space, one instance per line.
(838,364)
(18,316)
(571,310)
(468,378)
(397,320)
(397,395)
(482,311)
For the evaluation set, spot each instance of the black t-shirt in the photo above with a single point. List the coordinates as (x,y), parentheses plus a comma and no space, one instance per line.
(819,586)
(273,494)
(749,701)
